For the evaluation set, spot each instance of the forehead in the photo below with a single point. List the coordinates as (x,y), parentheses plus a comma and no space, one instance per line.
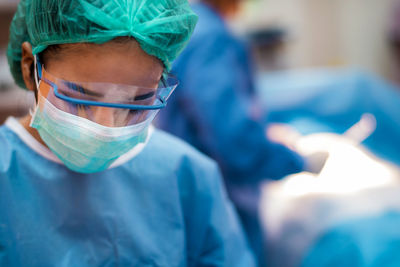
(112,62)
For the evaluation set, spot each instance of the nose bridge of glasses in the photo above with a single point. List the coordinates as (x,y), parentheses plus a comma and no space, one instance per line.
(104,115)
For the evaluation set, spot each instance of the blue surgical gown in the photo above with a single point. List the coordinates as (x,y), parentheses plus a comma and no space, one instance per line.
(215,110)
(164,207)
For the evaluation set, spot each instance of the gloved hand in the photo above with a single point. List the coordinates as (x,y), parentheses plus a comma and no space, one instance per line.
(286,135)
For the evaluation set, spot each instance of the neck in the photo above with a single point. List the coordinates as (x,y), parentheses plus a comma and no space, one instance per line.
(25,121)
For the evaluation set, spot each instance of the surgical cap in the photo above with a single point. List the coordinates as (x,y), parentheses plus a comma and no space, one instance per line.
(162,27)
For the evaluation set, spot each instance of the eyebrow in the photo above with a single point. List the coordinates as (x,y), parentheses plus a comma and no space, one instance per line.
(144,96)
(81,89)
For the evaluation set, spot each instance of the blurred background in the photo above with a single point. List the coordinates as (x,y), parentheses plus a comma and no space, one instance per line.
(320,33)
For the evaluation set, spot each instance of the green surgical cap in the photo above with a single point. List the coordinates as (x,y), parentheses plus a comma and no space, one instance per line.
(162,27)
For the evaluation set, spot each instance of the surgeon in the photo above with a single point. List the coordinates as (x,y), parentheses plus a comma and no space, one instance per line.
(85,180)
(216,112)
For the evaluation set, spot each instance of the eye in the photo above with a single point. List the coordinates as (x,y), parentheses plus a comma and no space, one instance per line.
(82,107)
(134,112)
(74,90)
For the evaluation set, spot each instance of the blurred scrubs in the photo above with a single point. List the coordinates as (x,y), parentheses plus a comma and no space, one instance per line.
(372,241)
(215,110)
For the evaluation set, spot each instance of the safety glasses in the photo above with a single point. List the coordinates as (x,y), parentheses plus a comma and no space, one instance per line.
(115,105)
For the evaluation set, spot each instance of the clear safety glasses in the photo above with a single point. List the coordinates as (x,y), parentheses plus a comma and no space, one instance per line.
(113,105)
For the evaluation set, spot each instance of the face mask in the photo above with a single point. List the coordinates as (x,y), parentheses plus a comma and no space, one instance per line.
(82,145)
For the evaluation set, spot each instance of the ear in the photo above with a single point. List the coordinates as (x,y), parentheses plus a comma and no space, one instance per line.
(27,66)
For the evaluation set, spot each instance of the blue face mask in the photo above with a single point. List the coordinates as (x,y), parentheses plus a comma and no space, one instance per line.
(82,145)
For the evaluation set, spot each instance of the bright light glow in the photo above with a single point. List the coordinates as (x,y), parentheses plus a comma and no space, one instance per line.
(347,170)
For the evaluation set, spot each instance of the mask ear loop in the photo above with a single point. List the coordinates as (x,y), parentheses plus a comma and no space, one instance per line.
(32,111)
(37,82)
